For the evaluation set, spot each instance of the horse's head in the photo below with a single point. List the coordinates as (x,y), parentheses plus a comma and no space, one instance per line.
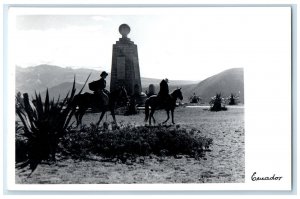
(177,94)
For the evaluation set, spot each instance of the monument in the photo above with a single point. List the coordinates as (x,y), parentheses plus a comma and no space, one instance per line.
(125,70)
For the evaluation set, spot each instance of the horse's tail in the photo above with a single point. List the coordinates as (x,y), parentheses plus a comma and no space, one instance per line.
(146,110)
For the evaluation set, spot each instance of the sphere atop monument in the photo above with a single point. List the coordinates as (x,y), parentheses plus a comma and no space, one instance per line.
(124,30)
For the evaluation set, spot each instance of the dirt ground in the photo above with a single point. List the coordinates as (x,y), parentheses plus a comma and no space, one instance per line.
(225,163)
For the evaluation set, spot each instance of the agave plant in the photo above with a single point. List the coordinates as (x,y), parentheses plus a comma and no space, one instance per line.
(44,123)
(217,103)
(233,99)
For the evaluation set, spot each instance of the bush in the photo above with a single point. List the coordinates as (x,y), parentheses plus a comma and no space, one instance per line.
(232,99)
(194,99)
(129,141)
(217,103)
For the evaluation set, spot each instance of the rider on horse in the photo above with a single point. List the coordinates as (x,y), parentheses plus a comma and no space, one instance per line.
(100,88)
(163,94)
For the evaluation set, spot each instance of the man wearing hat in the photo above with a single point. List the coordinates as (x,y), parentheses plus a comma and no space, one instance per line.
(99,88)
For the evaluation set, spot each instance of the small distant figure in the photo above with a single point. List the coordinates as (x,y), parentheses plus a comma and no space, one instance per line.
(163,94)
(99,88)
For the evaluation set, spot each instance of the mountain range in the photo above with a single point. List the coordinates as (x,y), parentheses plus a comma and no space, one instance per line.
(59,81)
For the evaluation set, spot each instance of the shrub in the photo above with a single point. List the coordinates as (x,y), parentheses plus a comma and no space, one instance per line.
(151,90)
(44,123)
(129,141)
(194,99)
(232,99)
(20,144)
(217,103)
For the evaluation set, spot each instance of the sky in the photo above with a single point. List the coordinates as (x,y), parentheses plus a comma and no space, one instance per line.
(178,43)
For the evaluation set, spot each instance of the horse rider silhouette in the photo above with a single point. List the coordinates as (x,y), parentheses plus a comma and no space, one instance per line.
(163,93)
(99,88)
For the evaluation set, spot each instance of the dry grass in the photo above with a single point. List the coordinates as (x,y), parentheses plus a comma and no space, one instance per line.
(225,163)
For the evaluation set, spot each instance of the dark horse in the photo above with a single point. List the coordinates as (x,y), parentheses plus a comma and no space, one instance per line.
(169,105)
(88,100)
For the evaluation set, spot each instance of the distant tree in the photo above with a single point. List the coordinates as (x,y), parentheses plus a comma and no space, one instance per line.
(151,90)
(19,95)
(194,99)
(217,103)
(233,99)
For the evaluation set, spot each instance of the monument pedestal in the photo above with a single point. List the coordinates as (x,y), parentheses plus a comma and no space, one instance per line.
(125,70)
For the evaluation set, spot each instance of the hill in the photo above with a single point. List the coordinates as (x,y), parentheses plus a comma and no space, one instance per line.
(59,81)
(226,82)
(41,77)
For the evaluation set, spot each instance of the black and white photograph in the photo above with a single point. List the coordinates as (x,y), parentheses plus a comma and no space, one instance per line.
(149,95)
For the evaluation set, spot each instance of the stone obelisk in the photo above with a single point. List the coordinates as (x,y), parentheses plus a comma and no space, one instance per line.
(125,70)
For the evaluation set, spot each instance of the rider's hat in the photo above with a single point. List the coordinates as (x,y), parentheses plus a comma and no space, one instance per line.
(103,74)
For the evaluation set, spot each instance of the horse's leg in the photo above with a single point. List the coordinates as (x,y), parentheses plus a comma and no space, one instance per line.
(79,114)
(101,117)
(112,110)
(172,113)
(152,116)
(154,121)
(168,114)
(77,118)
